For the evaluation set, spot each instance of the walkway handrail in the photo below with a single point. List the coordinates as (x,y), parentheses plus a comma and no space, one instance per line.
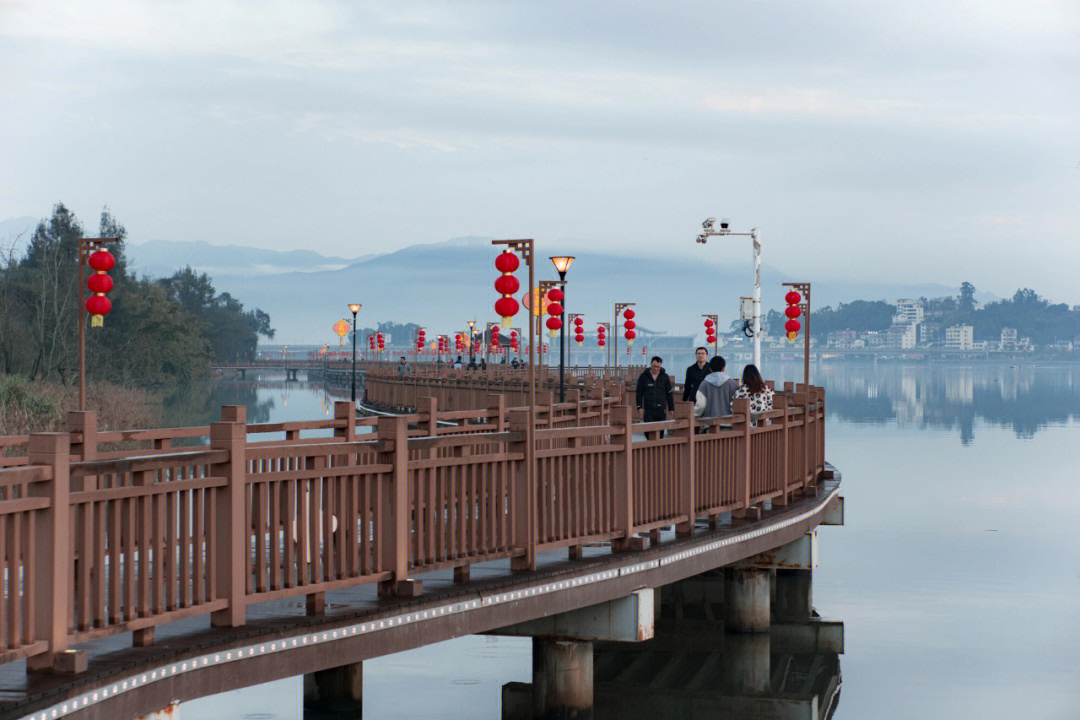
(94,546)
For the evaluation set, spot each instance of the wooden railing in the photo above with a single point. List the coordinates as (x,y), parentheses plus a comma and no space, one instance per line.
(134,538)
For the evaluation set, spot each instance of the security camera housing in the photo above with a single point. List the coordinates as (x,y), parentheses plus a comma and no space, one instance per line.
(724,224)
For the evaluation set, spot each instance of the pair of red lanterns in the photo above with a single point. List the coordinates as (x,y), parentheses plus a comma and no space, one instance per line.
(710,331)
(376,341)
(506,307)
(628,326)
(792,311)
(101,262)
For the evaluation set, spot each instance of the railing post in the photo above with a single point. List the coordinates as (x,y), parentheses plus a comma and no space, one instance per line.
(394,445)
(523,489)
(52,586)
(497,407)
(623,485)
(231,562)
(741,407)
(234,413)
(780,402)
(687,481)
(345,410)
(84,423)
(428,408)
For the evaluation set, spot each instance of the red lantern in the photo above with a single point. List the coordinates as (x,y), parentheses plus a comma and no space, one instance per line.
(99,283)
(600,342)
(555,295)
(101,261)
(506,285)
(578,321)
(629,324)
(554,309)
(710,339)
(553,324)
(792,311)
(98,305)
(792,298)
(629,335)
(792,326)
(628,314)
(506,307)
(708,322)
(579,338)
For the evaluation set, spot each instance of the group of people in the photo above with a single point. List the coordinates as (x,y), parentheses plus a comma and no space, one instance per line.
(707,385)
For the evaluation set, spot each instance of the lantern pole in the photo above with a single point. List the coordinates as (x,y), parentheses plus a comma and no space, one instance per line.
(716,332)
(86,247)
(354,308)
(804,290)
(619,307)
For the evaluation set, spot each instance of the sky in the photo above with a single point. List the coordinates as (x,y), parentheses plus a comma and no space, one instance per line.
(898,142)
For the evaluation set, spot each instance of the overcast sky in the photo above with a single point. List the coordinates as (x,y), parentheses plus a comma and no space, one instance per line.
(883,141)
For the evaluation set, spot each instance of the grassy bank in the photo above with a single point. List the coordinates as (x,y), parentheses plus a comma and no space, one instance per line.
(28,406)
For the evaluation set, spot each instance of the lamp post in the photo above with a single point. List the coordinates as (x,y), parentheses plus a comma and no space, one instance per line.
(619,307)
(562,263)
(708,231)
(804,289)
(354,308)
(472,338)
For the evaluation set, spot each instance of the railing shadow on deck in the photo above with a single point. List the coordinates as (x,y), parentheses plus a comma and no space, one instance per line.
(96,542)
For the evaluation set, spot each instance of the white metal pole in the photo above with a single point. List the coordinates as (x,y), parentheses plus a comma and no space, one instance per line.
(757,298)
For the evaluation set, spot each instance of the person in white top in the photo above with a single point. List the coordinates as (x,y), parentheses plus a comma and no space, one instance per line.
(756,391)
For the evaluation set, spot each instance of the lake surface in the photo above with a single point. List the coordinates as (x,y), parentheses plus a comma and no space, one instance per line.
(957,575)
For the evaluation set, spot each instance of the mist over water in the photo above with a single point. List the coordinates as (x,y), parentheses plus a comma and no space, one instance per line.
(957,574)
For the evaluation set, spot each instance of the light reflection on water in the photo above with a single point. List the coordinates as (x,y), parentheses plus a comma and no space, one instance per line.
(957,574)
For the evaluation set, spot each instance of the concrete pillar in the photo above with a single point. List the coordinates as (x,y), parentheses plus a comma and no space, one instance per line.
(562,679)
(339,691)
(746,599)
(793,595)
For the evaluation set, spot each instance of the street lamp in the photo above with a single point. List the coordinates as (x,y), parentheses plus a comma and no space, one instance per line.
(354,308)
(707,231)
(562,263)
(472,340)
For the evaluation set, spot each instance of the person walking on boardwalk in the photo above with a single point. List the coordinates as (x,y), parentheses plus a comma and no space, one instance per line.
(695,374)
(403,367)
(756,391)
(458,363)
(717,390)
(654,392)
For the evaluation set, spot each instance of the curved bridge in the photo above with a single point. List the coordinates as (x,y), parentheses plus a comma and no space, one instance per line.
(146,570)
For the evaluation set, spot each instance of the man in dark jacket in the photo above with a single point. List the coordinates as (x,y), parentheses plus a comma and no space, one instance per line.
(654,392)
(695,374)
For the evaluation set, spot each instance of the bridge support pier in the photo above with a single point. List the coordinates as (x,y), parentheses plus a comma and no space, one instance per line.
(747,599)
(562,679)
(339,690)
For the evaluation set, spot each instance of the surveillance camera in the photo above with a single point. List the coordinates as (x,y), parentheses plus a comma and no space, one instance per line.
(708,224)
(702,238)
(724,224)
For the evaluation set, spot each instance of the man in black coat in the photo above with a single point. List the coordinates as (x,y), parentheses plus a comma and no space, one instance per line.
(695,374)
(654,392)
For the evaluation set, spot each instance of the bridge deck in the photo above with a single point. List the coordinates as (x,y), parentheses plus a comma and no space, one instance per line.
(281,640)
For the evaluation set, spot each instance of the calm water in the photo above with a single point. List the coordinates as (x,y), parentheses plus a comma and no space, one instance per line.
(957,575)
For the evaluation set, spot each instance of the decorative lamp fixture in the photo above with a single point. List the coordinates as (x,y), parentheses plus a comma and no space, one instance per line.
(792,311)
(506,285)
(101,262)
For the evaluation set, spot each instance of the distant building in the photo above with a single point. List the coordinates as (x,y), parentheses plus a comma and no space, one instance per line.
(1008,339)
(959,337)
(873,338)
(901,336)
(910,311)
(841,339)
(931,333)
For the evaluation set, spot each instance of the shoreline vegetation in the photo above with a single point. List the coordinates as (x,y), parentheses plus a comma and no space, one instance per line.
(28,406)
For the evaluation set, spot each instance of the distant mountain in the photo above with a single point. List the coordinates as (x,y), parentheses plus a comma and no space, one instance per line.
(159,258)
(442,285)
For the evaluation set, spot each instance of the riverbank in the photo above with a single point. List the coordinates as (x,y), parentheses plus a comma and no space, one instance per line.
(28,406)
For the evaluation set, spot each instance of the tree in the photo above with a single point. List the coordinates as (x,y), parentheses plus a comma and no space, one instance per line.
(966,302)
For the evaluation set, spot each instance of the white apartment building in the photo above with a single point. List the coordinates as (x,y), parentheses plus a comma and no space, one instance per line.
(1008,338)
(901,336)
(959,337)
(910,311)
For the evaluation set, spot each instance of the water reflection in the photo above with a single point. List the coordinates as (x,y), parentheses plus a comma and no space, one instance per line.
(1025,398)
(693,669)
